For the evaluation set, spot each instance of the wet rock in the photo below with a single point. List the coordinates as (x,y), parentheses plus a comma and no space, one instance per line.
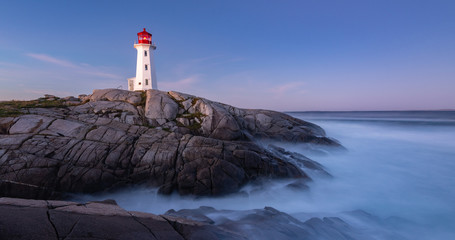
(269,223)
(298,185)
(40,219)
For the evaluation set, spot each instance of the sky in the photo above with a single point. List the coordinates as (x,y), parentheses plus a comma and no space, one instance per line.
(305,55)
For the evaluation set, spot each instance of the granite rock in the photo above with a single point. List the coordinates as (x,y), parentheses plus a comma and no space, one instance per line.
(175,141)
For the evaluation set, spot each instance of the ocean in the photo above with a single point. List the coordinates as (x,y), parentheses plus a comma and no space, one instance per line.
(397,164)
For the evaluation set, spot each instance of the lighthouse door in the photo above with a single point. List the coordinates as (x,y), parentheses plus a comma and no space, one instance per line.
(131,84)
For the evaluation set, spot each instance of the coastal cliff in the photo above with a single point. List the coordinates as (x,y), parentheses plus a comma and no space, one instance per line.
(174,141)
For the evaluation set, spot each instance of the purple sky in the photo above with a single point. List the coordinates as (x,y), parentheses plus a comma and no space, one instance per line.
(281,55)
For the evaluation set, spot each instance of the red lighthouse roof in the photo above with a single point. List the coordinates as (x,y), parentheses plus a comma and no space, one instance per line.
(144,37)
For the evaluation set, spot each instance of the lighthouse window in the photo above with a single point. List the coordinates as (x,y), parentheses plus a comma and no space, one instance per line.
(145,53)
(146,67)
(146,82)
(139,83)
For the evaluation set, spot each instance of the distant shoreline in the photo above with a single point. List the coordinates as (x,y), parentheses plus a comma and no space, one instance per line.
(354,111)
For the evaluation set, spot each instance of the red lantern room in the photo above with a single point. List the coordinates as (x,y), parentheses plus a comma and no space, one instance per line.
(144,37)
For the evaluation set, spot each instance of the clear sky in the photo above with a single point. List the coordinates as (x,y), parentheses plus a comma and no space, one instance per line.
(282,55)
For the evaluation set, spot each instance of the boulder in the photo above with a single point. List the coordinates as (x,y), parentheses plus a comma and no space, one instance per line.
(160,108)
(71,98)
(116,95)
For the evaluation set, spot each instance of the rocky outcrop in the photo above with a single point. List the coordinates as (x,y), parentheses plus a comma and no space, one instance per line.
(171,140)
(40,219)
(270,224)
(221,121)
(134,98)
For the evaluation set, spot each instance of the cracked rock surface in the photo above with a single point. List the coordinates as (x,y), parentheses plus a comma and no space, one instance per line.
(171,140)
(51,219)
(41,219)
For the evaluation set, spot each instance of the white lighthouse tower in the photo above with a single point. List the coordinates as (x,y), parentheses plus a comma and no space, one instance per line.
(145,66)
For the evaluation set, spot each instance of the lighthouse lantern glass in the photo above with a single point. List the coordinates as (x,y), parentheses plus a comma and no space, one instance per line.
(144,37)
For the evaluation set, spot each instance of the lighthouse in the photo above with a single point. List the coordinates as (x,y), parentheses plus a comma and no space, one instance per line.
(145,66)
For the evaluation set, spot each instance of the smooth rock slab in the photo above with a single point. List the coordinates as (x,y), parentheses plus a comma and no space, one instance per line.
(160,107)
(29,124)
(38,219)
(116,95)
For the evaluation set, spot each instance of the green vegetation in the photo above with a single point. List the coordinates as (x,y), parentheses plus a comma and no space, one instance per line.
(9,113)
(143,98)
(13,108)
(179,102)
(194,101)
(195,125)
(197,115)
(145,123)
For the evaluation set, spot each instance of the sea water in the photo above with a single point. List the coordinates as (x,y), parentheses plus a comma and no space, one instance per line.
(396,164)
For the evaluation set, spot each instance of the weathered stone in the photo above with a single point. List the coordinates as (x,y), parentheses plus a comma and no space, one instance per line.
(160,107)
(108,142)
(71,98)
(5,124)
(187,104)
(269,223)
(180,96)
(183,121)
(13,141)
(263,120)
(38,219)
(72,103)
(225,122)
(84,97)
(68,128)
(49,96)
(116,95)
(29,124)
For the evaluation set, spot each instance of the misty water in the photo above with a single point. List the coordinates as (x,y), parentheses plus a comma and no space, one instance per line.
(397,164)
